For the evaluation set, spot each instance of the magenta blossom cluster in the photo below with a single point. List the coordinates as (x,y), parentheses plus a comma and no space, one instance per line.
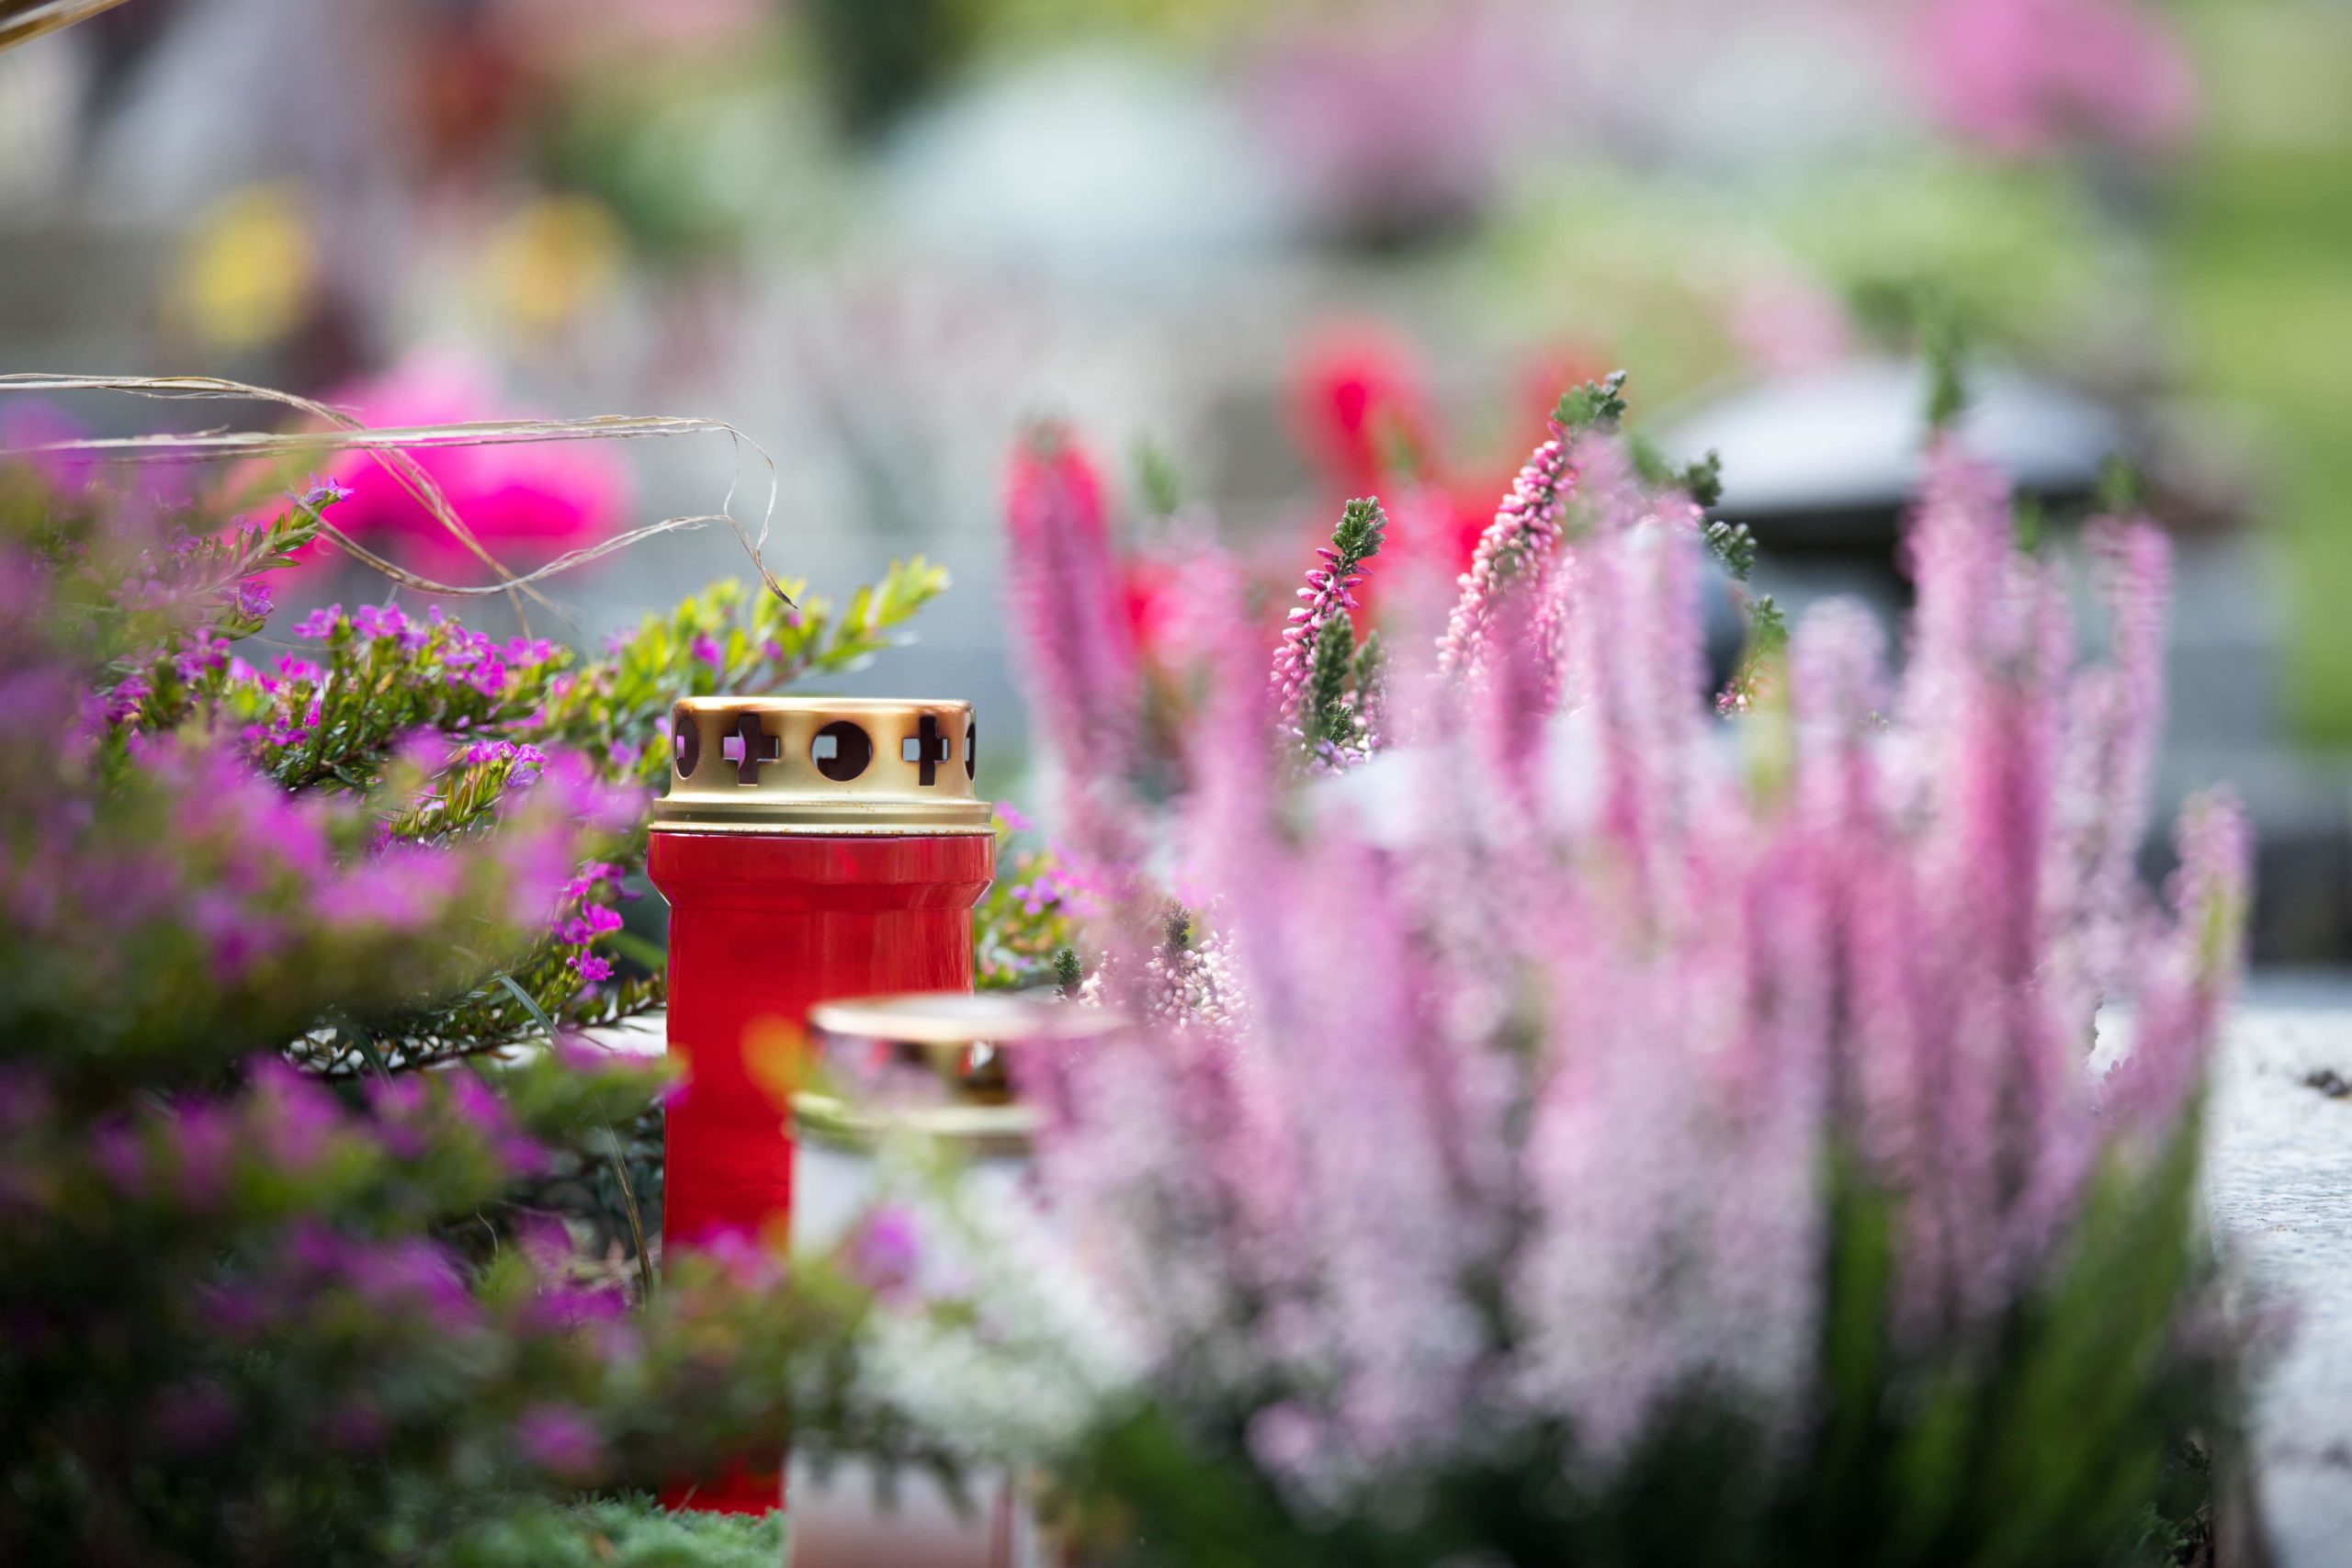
(237,1187)
(1533,1040)
(583,916)
(467,658)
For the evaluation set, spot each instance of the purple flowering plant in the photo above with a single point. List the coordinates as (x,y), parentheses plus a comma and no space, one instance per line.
(1026,931)
(315,1215)
(449,728)
(1608,1123)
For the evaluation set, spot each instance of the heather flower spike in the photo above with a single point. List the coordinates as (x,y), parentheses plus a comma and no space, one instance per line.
(1520,543)
(1319,659)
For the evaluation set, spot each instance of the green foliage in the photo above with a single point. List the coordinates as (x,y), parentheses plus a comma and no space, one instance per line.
(1595,405)
(629,1532)
(2052,1440)
(1358,535)
(1735,546)
(729,638)
(1761,660)
(1332,717)
(2123,488)
(1947,347)
(1701,479)
(1159,484)
(1342,679)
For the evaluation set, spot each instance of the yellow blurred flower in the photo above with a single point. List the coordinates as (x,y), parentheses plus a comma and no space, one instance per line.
(553,259)
(249,270)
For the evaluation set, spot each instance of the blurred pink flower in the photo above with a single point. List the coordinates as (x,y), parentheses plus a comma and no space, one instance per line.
(1404,121)
(1070,613)
(2020,78)
(29,424)
(525,501)
(1788,324)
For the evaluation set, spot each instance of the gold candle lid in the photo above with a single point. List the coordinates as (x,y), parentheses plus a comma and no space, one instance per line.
(945,1052)
(821,766)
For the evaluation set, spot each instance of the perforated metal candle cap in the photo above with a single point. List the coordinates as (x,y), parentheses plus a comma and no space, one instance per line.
(821,766)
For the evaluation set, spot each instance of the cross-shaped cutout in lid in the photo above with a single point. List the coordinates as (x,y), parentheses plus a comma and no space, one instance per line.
(753,747)
(926,746)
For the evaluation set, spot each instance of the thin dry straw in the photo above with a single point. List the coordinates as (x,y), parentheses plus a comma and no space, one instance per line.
(21,21)
(390,449)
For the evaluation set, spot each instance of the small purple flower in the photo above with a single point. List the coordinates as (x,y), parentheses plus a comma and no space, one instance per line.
(705,650)
(592,921)
(739,1254)
(296,1120)
(119,1154)
(399,1106)
(254,599)
(884,1252)
(203,1141)
(592,969)
(323,493)
(592,875)
(560,1441)
(488,677)
(562,1307)
(319,623)
(205,652)
(122,702)
(411,1275)
(380,621)
(240,935)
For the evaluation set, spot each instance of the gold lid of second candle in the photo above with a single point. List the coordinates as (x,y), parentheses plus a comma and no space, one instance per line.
(951,1047)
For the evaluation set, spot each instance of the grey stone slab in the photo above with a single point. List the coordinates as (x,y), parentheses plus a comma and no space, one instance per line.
(2278,1188)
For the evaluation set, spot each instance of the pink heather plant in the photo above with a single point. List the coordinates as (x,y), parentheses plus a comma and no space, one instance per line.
(1082,670)
(1675,1091)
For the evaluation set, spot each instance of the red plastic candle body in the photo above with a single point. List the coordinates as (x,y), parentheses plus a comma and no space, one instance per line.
(810,849)
(760,930)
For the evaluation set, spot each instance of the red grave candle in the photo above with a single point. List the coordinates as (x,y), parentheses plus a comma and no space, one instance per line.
(811,849)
